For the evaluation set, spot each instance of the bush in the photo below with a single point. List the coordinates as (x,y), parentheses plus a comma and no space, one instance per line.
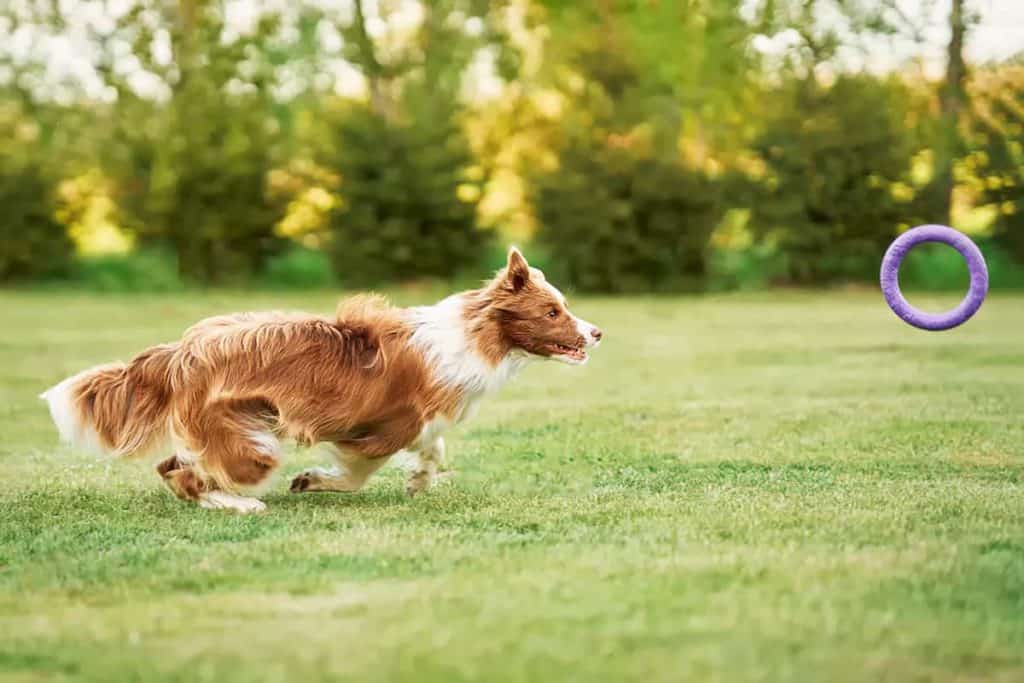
(33,243)
(148,270)
(409,198)
(937,267)
(614,220)
(193,168)
(299,268)
(998,159)
(834,156)
(756,267)
(200,189)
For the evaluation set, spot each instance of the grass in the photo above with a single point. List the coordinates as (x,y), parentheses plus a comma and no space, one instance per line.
(757,487)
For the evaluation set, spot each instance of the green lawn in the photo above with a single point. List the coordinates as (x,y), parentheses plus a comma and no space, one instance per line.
(736,488)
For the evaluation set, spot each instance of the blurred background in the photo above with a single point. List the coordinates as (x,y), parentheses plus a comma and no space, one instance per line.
(628,145)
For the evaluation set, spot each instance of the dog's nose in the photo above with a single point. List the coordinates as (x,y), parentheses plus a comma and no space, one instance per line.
(595,333)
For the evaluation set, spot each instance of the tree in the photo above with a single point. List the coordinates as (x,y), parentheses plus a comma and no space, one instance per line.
(409,182)
(997,150)
(408,205)
(680,67)
(835,157)
(33,243)
(42,143)
(953,100)
(615,219)
(191,154)
(651,96)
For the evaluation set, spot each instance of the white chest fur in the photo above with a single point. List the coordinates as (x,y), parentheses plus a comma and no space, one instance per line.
(441,336)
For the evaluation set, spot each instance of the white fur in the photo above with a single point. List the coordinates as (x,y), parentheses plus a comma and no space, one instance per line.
(350,475)
(440,333)
(182,453)
(266,443)
(65,415)
(221,500)
(81,434)
(587,330)
(424,469)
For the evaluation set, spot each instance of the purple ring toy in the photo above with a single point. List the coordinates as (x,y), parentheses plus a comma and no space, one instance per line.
(975,266)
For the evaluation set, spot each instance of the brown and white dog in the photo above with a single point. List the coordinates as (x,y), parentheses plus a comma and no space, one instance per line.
(372,382)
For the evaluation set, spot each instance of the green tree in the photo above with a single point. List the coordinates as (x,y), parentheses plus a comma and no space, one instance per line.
(835,157)
(33,243)
(997,156)
(949,145)
(408,197)
(193,152)
(615,219)
(651,91)
(205,190)
(42,142)
(410,184)
(38,149)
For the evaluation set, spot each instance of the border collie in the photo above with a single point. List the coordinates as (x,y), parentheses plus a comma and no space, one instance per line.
(373,381)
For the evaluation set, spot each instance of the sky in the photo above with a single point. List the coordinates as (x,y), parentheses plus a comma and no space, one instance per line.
(998,33)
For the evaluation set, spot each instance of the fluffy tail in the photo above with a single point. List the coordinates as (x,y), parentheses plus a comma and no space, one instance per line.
(120,409)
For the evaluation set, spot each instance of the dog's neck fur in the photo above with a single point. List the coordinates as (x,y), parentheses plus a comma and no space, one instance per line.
(460,338)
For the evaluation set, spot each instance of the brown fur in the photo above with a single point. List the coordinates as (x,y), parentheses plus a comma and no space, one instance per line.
(517,311)
(128,404)
(235,383)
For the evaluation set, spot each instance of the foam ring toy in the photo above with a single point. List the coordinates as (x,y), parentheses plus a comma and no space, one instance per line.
(975,266)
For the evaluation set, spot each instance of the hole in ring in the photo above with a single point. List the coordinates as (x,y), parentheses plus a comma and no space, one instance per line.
(932,270)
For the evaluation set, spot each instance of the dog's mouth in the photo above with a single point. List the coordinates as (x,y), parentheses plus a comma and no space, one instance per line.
(566,353)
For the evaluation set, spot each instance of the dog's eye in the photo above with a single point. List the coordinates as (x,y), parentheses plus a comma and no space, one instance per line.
(553,313)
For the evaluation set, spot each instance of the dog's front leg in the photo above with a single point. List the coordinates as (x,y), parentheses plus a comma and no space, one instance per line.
(425,464)
(350,475)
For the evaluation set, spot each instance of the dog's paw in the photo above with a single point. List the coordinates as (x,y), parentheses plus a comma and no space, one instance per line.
(417,483)
(303,482)
(317,479)
(221,500)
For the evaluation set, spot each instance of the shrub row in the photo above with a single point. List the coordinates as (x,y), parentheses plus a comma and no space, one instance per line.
(612,217)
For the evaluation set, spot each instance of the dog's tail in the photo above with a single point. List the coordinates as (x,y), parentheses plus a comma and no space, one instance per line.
(120,409)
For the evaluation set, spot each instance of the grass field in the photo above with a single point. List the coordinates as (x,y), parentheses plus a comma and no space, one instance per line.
(769,487)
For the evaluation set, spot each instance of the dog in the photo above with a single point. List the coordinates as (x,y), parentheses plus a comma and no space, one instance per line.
(372,382)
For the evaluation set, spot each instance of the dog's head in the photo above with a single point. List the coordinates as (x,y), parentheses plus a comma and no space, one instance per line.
(533,315)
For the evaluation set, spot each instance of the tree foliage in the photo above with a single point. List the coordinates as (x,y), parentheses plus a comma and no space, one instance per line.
(192,157)
(835,158)
(33,243)
(226,137)
(624,209)
(409,197)
(410,182)
(997,156)
(621,220)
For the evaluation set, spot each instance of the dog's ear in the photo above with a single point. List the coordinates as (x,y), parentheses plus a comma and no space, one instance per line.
(517,271)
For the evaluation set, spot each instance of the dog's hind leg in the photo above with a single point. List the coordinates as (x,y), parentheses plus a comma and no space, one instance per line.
(351,473)
(228,450)
(425,467)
